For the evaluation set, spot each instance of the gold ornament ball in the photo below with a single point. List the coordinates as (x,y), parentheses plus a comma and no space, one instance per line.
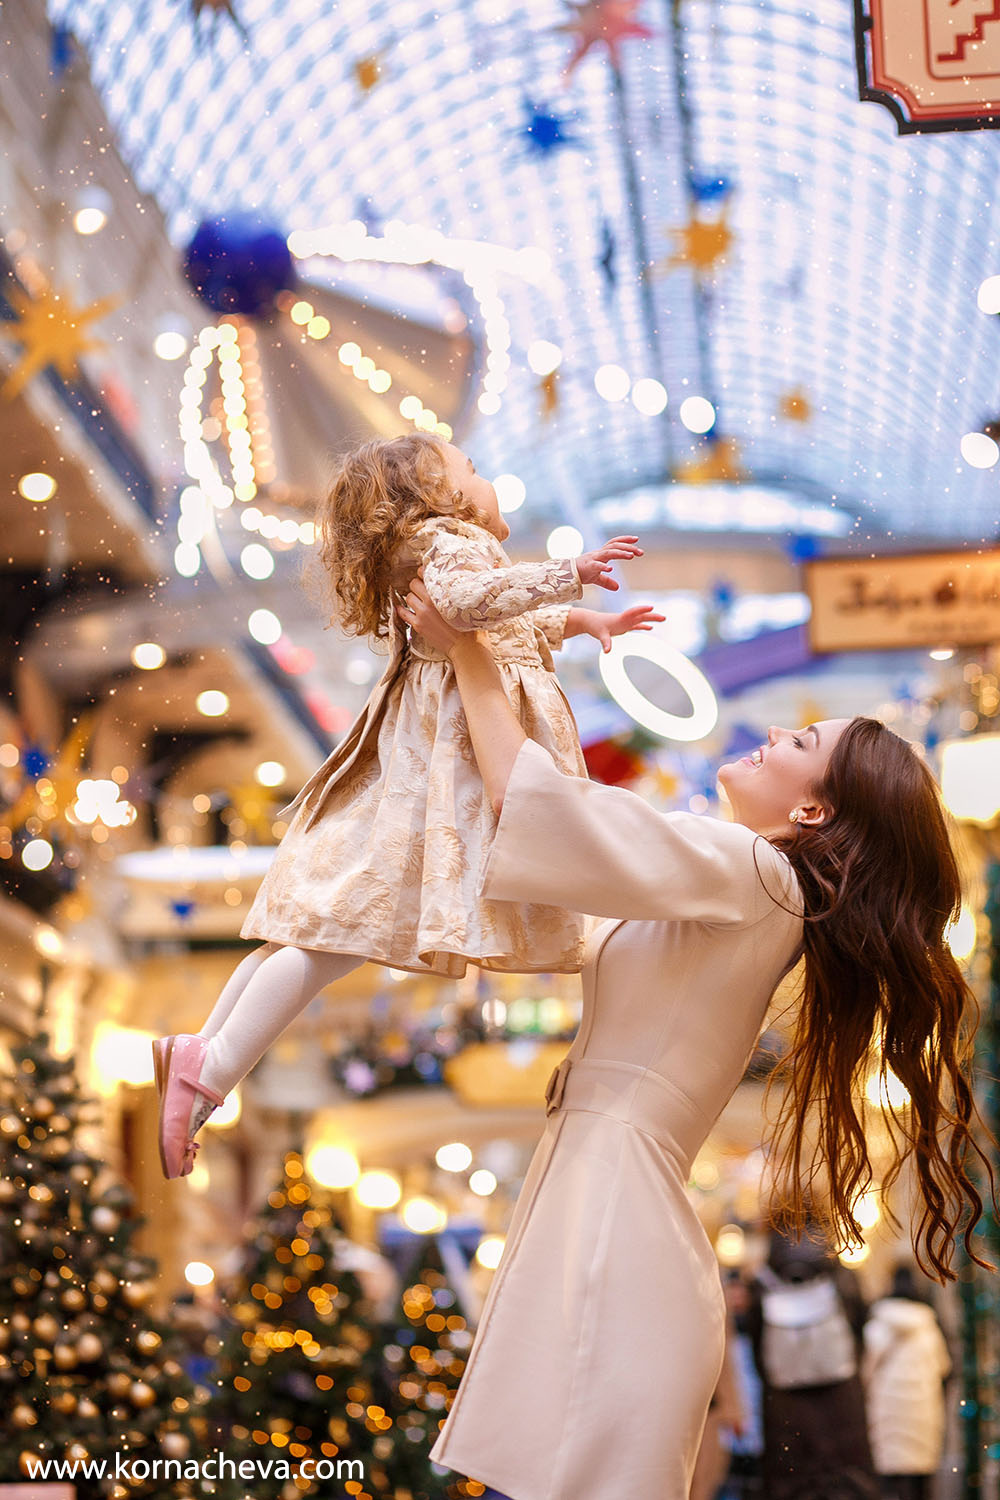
(88,1409)
(65,1357)
(119,1383)
(73,1299)
(137,1292)
(106,1282)
(7,1190)
(46,1328)
(89,1347)
(77,1453)
(64,1401)
(29,1463)
(142,1394)
(43,1107)
(104,1219)
(24,1415)
(148,1341)
(175,1445)
(172,1368)
(10,1125)
(80,1173)
(19,1321)
(59,1122)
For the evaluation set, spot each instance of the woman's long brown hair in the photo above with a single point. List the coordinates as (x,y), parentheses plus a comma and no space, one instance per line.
(379,495)
(881,989)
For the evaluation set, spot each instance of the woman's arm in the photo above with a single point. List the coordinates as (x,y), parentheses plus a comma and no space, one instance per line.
(494,727)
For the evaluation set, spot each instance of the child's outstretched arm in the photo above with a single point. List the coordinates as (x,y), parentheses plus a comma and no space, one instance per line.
(472,593)
(604,626)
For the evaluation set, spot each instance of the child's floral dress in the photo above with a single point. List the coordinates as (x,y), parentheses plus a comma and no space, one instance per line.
(387,839)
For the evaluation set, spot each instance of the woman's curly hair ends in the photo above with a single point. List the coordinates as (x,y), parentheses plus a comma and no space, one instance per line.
(881,990)
(379,495)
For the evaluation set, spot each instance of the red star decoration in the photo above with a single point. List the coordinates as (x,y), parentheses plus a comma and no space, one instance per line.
(607,21)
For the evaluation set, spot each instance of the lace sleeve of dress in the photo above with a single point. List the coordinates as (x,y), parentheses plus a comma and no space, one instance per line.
(475,588)
(551,621)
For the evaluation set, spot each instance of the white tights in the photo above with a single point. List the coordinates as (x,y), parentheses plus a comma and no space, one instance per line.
(263,995)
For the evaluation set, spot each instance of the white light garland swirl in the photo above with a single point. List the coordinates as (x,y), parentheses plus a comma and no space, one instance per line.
(704,713)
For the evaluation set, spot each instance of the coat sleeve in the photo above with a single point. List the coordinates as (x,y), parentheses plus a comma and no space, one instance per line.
(565,841)
(472,584)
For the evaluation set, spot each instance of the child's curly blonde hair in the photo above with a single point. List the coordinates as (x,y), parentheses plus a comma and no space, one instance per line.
(379,495)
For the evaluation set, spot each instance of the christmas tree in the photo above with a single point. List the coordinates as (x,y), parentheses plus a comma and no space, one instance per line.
(424,1356)
(295,1370)
(88,1379)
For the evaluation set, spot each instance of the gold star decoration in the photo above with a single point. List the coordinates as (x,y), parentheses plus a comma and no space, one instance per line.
(601,21)
(795,406)
(49,797)
(721,465)
(549,389)
(701,244)
(51,330)
(368,71)
(255,805)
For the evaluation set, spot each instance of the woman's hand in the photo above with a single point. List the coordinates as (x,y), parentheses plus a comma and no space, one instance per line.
(417,611)
(595,567)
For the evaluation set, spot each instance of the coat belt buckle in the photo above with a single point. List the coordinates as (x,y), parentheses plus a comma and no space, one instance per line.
(556,1086)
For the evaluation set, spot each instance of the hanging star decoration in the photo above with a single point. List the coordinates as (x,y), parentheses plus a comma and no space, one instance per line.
(795,406)
(51,330)
(545,132)
(255,805)
(596,22)
(701,244)
(721,464)
(367,71)
(549,389)
(51,793)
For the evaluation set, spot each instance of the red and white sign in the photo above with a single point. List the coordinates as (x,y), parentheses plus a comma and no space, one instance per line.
(934,63)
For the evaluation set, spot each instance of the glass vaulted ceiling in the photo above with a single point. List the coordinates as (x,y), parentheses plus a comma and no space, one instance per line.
(848,294)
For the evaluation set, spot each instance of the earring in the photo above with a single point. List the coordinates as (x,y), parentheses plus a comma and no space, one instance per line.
(793,816)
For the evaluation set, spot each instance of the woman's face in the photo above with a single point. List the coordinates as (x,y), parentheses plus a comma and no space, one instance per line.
(477,490)
(777,779)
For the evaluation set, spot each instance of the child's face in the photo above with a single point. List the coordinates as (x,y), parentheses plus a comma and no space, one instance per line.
(477,490)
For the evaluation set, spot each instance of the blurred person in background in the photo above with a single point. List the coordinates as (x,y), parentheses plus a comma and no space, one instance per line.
(904,1368)
(806,1321)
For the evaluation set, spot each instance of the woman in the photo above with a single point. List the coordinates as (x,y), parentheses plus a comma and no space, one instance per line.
(905,1364)
(601,1339)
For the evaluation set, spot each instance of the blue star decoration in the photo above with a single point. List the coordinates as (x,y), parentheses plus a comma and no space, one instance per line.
(545,131)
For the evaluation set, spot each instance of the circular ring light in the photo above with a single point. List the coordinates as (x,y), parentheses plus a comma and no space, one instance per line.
(704,708)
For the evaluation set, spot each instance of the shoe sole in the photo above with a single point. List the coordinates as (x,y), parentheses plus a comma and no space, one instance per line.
(162,1049)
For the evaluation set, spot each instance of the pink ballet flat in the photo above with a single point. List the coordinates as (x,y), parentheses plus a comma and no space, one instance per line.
(177,1063)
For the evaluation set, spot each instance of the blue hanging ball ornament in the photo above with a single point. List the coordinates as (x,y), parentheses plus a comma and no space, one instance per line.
(801,548)
(709,189)
(238,264)
(182,909)
(721,593)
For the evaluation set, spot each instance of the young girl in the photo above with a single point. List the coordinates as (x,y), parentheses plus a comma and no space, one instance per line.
(382,856)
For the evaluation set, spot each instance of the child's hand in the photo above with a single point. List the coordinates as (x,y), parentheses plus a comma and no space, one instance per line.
(602,627)
(594,567)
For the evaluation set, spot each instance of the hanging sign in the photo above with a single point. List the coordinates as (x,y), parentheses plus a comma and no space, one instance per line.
(933,599)
(934,64)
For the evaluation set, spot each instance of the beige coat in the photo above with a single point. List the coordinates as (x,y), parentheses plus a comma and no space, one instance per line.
(386,841)
(601,1338)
